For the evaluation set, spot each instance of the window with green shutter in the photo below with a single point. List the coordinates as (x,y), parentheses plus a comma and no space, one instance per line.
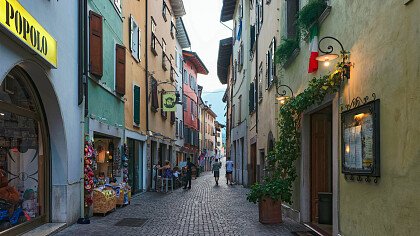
(136,104)
(251,98)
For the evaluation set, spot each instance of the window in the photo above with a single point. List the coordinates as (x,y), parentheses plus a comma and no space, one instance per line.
(95,44)
(154,40)
(192,109)
(176,127)
(251,98)
(184,103)
(180,60)
(164,114)
(176,57)
(270,64)
(136,105)
(120,69)
(241,9)
(235,75)
(134,39)
(181,129)
(117,4)
(154,90)
(291,17)
(164,10)
(259,15)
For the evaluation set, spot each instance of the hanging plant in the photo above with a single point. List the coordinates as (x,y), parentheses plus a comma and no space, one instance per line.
(309,14)
(285,50)
(281,161)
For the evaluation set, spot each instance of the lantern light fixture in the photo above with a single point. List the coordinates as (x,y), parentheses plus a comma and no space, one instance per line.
(329,56)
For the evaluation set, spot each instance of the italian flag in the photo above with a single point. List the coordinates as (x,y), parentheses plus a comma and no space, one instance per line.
(313,49)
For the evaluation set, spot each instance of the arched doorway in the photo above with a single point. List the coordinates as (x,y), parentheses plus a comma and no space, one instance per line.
(24,155)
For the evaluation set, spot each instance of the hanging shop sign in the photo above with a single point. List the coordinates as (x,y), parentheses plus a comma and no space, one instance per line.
(15,20)
(169,102)
(360,154)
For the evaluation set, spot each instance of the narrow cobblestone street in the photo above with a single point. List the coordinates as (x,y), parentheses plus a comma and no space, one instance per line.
(206,209)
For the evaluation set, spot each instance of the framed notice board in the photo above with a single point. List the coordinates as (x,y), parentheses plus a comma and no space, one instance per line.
(360,154)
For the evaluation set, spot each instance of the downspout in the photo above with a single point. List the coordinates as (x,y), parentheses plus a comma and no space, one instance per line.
(147,68)
(256,84)
(85,54)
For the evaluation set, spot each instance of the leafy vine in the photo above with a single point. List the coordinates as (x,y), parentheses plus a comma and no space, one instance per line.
(281,161)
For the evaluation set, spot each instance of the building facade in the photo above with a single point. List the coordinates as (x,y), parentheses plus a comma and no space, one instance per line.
(161,42)
(135,106)
(192,67)
(41,112)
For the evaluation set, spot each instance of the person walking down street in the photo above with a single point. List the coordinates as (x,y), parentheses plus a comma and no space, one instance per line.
(229,170)
(216,170)
(189,167)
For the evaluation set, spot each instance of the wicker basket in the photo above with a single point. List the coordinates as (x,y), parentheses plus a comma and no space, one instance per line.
(103,204)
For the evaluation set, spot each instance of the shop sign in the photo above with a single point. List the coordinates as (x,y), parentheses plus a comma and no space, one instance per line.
(18,22)
(169,102)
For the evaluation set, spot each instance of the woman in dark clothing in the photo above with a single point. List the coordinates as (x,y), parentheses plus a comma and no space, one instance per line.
(189,167)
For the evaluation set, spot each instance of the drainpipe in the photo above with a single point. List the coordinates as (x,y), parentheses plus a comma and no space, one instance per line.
(85,54)
(256,84)
(147,68)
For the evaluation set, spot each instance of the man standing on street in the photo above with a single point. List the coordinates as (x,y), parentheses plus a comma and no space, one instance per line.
(189,167)
(216,168)
(229,170)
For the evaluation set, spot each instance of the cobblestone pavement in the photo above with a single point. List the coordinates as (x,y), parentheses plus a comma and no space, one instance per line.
(206,209)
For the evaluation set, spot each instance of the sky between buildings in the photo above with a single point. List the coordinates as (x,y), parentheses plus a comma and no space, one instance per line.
(202,23)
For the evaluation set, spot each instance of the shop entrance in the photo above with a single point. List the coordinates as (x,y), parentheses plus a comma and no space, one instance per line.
(24,156)
(321,169)
(135,165)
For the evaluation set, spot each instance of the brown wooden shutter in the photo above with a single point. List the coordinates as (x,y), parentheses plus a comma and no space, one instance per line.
(120,69)
(172,117)
(155,103)
(95,44)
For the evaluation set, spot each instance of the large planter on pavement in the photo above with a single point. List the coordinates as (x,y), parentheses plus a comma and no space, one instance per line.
(270,211)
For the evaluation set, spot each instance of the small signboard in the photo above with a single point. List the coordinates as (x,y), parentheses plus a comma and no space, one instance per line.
(169,102)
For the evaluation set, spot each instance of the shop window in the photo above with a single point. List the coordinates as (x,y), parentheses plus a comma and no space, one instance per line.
(136,104)
(120,69)
(23,161)
(95,44)
(135,39)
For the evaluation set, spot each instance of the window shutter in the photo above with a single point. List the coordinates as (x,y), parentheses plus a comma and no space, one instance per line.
(267,58)
(95,44)
(163,113)
(131,34)
(273,64)
(155,103)
(120,69)
(251,98)
(139,44)
(172,117)
(136,103)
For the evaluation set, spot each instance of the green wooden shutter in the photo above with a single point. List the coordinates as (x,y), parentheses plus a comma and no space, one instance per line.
(136,102)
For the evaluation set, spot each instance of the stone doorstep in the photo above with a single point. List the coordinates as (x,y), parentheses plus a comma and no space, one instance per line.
(46,229)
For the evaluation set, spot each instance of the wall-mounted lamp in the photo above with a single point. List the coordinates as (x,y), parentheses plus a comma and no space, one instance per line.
(282,97)
(330,56)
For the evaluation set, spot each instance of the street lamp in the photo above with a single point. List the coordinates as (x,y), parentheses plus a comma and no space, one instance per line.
(329,56)
(282,97)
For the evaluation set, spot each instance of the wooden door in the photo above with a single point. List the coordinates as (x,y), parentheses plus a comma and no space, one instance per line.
(320,155)
(253,163)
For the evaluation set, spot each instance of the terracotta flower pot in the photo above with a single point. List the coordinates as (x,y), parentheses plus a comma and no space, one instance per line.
(270,211)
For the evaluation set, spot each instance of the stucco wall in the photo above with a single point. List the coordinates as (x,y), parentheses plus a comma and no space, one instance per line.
(135,70)
(103,101)
(383,39)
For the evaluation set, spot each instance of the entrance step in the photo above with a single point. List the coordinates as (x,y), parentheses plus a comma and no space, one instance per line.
(46,229)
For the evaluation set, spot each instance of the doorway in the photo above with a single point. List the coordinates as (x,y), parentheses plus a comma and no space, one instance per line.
(321,169)
(135,165)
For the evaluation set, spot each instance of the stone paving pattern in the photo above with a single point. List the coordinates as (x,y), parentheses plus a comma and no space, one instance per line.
(206,209)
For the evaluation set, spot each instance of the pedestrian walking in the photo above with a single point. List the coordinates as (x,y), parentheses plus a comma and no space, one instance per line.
(189,167)
(229,170)
(216,170)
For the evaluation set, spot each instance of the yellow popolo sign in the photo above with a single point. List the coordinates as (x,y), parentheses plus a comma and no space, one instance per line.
(16,20)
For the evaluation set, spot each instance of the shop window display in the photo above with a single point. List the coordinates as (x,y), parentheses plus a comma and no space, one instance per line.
(22,160)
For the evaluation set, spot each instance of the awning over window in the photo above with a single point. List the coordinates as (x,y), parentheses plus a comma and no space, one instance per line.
(178,7)
(181,34)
